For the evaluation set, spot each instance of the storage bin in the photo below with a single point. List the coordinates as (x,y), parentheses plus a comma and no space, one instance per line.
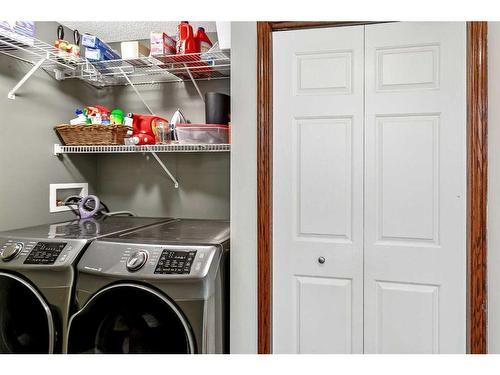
(202,133)
(86,135)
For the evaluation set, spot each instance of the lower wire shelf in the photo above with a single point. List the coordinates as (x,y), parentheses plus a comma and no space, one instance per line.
(150,149)
(111,149)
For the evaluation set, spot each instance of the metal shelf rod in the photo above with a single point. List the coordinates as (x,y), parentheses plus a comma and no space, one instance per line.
(12,93)
(194,83)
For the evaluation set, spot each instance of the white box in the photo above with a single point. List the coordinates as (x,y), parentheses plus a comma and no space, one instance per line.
(133,50)
(224,34)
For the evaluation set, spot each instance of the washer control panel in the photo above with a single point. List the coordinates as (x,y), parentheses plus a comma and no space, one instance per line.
(175,262)
(45,253)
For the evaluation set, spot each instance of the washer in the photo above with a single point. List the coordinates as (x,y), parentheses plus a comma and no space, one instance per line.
(161,289)
(37,271)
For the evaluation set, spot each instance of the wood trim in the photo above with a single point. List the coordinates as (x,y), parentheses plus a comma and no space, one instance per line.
(264,184)
(477,102)
(477,122)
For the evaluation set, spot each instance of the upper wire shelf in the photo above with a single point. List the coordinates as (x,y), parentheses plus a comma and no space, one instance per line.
(32,50)
(157,69)
(214,64)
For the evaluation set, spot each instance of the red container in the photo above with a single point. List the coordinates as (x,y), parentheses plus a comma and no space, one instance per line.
(186,42)
(145,128)
(203,41)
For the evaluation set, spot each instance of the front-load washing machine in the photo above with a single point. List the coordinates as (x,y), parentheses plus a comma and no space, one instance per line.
(162,289)
(37,271)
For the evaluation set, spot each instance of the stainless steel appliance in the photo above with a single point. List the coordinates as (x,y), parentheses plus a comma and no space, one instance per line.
(160,289)
(37,278)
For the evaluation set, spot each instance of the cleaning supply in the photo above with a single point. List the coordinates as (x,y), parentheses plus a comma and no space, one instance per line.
(186,42)
(97,115)
(204,44)
(80,118)
(116,117)
(144,128)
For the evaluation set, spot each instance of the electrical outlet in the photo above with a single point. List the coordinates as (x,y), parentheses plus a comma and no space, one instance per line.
(59,192)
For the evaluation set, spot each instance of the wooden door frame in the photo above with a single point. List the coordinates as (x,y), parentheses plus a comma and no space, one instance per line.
(477,163)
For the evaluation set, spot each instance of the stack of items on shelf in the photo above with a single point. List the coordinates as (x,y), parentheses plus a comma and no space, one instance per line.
(97,125)
(217,127)
(161,44)
(94,125)
(97,50)
(187,47)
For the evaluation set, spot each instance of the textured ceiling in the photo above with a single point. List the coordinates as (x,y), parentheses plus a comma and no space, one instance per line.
(117,31)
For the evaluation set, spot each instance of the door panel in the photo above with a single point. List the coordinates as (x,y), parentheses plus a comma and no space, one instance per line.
(318,191)
(415,188)
(324,310)
(403,307)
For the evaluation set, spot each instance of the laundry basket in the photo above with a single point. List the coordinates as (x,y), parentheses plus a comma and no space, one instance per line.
(86,135)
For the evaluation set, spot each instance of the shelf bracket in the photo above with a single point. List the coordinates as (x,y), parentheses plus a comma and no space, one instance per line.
(12,93)
(136,91)
(194,82)
(164,167)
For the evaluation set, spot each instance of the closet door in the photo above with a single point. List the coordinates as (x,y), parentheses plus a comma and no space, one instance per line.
(318,191)
(415,188)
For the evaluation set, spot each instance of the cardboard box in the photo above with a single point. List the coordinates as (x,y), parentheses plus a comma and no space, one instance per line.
(98,54)
(93,42)
(162,44)
(133,50)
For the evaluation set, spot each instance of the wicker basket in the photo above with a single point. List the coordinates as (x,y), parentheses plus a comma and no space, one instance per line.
(86,135)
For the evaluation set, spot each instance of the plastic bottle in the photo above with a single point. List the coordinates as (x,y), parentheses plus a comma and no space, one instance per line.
(186,42)
(203,41)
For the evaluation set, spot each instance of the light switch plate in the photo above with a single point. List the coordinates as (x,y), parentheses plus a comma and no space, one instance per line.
(56,191)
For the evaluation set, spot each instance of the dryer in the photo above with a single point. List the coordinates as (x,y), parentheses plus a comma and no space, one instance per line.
(37,272)
(161,289)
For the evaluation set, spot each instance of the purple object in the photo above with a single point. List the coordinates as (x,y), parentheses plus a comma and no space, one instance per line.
(84,213)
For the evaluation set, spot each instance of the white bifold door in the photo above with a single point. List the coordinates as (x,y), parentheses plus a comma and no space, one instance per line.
(369,189)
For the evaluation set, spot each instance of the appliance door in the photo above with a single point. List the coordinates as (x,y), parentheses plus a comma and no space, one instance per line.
(127,319)
(26,321)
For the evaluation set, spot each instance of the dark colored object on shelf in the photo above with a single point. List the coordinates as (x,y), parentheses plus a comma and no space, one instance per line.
(217,108)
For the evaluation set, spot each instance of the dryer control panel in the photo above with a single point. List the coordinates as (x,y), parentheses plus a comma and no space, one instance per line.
(172,261)
(149,261)
(45,253)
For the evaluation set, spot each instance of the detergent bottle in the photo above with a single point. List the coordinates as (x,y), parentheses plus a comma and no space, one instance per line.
(186,42)
(203,41)
(144,128)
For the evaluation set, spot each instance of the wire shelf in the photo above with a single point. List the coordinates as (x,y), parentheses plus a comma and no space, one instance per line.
(112,149)
(156,69)
(32,50)
(214,64)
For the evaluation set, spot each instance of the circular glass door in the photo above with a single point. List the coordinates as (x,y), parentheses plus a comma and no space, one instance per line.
(129,319)
(26,325)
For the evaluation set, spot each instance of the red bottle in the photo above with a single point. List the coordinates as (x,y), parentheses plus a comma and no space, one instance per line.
(203,41)
(186,42)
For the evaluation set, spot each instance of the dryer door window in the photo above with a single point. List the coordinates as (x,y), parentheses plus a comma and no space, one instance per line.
(26,324)
(130,318)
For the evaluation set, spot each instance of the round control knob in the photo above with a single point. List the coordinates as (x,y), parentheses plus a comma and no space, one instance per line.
(11,251)
(321,260)
(137,260)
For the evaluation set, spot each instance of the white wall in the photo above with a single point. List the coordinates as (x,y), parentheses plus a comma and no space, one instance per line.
(244,187)
(493,187)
